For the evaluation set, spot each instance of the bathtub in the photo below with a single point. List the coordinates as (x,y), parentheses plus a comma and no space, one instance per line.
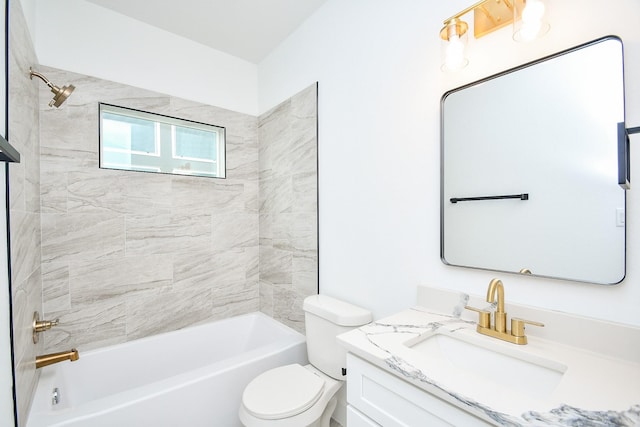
(192,377)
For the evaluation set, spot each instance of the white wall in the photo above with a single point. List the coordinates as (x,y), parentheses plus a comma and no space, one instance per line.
(79,36)
(377,64)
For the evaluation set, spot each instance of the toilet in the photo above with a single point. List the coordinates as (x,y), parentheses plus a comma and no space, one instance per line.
(296,395)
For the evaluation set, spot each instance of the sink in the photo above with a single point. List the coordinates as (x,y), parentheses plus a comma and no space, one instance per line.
(499,365)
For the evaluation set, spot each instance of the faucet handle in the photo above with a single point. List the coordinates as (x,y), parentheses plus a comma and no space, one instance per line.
(517,326)
(41,325)
(484,318)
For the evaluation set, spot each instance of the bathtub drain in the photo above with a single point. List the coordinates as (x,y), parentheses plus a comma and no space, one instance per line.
(55,396)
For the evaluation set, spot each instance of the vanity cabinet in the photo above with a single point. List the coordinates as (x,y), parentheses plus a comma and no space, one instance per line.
(378,398)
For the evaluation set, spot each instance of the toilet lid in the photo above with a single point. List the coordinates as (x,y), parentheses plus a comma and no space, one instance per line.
(282,392)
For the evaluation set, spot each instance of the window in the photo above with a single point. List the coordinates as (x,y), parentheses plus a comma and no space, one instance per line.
(140,141)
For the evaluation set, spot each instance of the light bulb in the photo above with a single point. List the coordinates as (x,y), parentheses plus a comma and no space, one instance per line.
(530,29)
(533,11)
(454,54)
(531,24)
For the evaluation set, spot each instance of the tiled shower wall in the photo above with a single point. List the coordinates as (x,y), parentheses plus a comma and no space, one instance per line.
(288,207)
(131,254)
(24,205)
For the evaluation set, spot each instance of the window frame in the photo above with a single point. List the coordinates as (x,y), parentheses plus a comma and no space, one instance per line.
(165,144)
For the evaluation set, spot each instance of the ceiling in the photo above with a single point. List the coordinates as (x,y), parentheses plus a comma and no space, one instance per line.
(247,29)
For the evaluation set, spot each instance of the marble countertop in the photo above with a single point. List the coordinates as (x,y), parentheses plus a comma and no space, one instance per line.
(595,389)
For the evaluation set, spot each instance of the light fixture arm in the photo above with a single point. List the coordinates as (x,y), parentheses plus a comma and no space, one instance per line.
(464,11)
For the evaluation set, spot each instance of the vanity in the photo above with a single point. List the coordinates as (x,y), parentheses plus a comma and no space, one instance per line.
(429,366)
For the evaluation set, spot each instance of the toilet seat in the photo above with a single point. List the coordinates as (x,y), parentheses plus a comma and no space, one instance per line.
(282,392)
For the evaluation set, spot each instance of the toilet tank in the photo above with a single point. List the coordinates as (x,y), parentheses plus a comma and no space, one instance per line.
(325,318)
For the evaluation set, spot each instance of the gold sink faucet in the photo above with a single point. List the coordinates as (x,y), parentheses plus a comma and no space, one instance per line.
(499,329)
(49,359)
(500,317)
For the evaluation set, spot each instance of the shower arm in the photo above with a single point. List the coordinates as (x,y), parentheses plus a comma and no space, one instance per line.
(43,78)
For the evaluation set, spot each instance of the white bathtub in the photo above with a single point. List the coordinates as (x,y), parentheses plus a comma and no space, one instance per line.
(192,377)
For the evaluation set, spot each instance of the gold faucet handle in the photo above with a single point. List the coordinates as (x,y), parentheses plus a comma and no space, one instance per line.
(517,326)
(45,325)
(484,318)
(41,325)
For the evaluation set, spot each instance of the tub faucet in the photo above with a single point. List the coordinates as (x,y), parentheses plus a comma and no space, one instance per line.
(49,359)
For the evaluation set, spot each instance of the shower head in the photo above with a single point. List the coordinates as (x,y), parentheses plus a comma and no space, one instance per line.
(59,94)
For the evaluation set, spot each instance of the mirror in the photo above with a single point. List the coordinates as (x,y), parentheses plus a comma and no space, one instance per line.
(530,168)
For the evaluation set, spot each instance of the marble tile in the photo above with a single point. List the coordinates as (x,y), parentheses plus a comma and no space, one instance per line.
(236,124)
(24,205)
(17,186)
(96,280)
(304,231)
(166,311)
(288,206)
(204,269)
(274,134)
(25,245)
(87,326)
(147,192)
(287,307)
(276,194)
(207,195)
(304,192)
(234,300)
(53,192)
(305,103)
(304,275)
(27,300)
(304,146)
(266,298)
(96,191)
(79,236)
(229,196)
(230,231)
(242,158)
(55,286)
(164,234)
(250,196)
(275,265)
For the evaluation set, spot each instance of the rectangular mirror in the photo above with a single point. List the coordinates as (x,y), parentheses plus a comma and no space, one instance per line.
(530,168)
(140,141)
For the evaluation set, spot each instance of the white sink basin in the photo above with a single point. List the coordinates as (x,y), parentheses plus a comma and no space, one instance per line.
(500,365)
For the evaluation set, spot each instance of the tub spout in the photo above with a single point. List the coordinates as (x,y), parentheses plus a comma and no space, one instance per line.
(50,359)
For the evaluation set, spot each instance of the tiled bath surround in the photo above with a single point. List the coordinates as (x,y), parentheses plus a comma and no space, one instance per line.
(288,207)
(24,205)
(131,254)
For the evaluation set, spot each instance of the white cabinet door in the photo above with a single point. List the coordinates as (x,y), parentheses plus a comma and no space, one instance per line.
(393,402)
(356,418)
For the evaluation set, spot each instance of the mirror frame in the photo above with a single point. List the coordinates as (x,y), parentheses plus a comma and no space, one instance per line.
(442,160)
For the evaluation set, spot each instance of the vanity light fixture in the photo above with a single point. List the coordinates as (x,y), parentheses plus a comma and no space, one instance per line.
(527,17)
(59,94)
